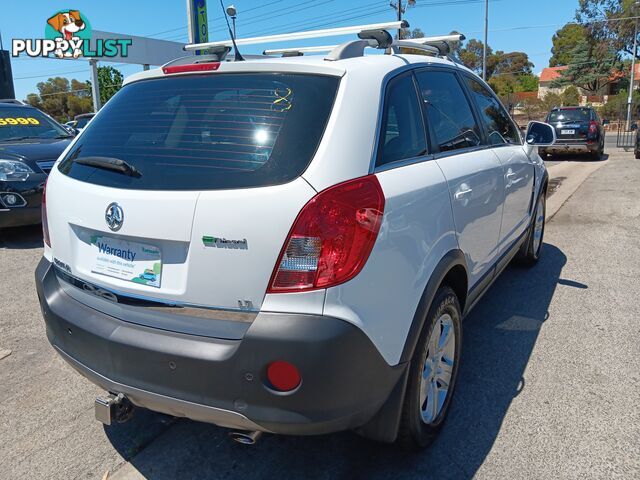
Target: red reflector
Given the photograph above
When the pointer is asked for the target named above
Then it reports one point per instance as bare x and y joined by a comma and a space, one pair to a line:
283, 376
192, 67
332, 237
45, 222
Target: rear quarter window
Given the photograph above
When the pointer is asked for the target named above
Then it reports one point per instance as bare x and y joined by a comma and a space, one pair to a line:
207, 132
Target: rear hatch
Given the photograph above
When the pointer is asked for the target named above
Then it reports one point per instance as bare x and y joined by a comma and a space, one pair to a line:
184, 188
571, 124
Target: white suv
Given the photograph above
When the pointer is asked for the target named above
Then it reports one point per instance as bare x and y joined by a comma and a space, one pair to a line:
287, 245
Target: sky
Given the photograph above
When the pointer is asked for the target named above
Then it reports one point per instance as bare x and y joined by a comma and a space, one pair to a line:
514, 25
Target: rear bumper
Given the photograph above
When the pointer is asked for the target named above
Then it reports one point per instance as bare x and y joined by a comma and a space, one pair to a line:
345, 380
582, 147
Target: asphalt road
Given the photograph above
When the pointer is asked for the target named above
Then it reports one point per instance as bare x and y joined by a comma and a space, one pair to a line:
549, 386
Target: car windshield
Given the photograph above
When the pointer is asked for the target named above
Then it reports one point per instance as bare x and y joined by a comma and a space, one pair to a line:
570, 115
22, 123
82, 122
205, 132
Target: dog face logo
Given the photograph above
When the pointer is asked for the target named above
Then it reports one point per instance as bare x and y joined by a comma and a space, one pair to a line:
68, 24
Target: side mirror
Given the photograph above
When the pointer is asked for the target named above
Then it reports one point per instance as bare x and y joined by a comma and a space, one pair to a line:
605, 121
634, 126
540, 134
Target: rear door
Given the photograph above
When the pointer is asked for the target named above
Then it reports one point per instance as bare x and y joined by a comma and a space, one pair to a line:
517, 169
218, 160
473, 172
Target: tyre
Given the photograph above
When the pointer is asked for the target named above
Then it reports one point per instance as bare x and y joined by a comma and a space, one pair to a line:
597, 154
432, 373
530, 251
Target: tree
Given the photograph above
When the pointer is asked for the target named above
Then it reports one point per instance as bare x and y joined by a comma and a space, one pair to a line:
109, 82
594, 67
512, 62
61, 99
471, 55
618, 29
551, 100
571, 96
528, 82
564, 41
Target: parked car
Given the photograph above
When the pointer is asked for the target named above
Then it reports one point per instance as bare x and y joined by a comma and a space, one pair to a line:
322, 228
578, 130
30, 143
81, 121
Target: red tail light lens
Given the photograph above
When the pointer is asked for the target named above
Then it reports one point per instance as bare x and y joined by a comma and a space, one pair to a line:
283, 376
192, 67
332, 237
45, 223
593, 127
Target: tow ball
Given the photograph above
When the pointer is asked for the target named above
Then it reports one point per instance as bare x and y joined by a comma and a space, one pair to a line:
113, 407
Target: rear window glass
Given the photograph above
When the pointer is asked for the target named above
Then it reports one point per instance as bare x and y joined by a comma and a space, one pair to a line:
206, 132
570, 115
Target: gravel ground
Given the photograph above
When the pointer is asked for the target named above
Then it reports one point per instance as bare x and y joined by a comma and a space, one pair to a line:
549, 386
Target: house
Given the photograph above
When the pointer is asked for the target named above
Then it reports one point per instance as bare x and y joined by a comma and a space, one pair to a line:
550, 74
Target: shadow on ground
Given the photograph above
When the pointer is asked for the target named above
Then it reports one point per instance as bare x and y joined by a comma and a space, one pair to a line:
499, 337
21, 237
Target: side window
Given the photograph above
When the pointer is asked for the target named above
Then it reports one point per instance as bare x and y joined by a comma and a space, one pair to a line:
403, 134
500, 127
448, 112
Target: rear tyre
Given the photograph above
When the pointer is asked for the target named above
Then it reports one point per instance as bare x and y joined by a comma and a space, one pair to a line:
432, 373
530, 251
597, 154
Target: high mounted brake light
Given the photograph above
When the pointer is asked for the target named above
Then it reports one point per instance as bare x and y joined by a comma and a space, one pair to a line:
192, 67
332, 237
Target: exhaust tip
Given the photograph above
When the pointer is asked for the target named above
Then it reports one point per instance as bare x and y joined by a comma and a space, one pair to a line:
245, 438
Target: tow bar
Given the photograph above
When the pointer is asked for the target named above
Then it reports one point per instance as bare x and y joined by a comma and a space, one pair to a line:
113, 407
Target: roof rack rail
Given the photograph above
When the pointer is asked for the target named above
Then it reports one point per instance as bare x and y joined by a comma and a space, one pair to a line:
283, 37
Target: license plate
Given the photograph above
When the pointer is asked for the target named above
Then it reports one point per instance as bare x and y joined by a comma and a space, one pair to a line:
131, 261
567, 132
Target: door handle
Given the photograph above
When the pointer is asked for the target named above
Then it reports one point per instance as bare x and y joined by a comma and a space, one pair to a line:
462, 192
510, 175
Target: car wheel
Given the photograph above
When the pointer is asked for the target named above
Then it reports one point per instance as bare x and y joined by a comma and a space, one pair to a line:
530, 250
432, 373
637, 155
597, 154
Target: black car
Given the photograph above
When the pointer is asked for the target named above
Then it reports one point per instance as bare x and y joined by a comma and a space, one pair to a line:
30, 143
578, 129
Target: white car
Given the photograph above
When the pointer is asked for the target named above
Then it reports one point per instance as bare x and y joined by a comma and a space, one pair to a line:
287, 245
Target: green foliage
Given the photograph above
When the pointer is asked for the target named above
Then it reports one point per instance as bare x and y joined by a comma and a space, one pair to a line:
571, 96
528, 83
109, 81
471, 55
61, 99
592, 67
616, 107
615, 32
564, 41
551, 100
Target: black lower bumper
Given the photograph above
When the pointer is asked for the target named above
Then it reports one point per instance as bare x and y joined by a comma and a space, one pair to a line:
345, 380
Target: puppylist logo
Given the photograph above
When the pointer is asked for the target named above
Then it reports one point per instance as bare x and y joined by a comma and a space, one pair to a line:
67, 34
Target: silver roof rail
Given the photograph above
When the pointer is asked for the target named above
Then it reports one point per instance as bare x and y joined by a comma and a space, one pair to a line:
283, 37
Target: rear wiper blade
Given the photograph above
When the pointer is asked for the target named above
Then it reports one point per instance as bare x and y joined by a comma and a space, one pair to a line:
109, 163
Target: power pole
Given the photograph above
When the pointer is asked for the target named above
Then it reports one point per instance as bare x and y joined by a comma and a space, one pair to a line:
400, 9
486, 35
634, 8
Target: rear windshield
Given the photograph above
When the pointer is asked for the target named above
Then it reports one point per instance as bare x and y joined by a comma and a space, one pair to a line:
570, 115
206, 132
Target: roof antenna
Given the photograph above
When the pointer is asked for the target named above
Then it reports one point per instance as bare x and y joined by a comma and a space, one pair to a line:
238, 56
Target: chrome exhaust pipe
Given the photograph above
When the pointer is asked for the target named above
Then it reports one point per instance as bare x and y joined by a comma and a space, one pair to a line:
245, 437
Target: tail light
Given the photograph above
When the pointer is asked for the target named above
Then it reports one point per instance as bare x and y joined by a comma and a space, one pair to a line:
593, 127
331, 238
191, 67
45, 223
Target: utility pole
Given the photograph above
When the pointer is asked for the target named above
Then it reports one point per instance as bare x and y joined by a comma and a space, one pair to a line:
634, 9
398, 7
401, 10
486, 35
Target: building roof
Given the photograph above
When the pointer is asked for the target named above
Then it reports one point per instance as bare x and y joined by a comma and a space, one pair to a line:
550, 74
